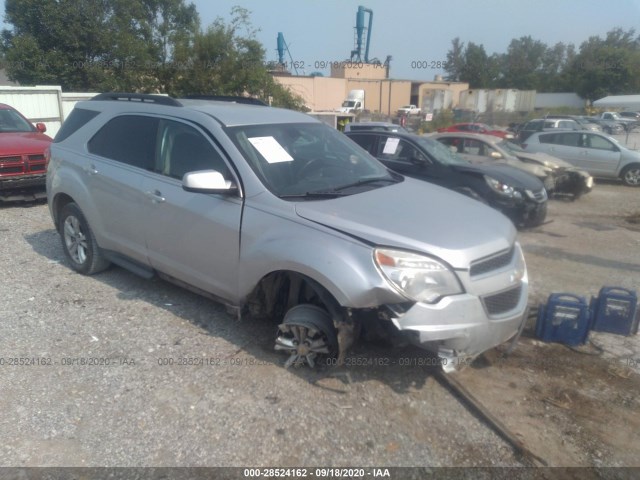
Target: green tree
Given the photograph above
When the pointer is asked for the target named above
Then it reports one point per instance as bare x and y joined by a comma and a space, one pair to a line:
225, 59
94, 44
607, 66
471, 64
478, 69
455, 60
522, 65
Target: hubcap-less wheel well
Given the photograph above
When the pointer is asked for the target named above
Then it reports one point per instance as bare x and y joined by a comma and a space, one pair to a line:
307, 334
311, 316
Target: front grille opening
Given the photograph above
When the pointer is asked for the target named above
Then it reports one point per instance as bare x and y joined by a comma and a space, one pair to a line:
503, 302
490, 264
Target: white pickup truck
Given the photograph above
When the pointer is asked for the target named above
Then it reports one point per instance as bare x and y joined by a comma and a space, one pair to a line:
409, 110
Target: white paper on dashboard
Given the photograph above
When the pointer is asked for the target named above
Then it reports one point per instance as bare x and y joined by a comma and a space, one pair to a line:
270, 149
391, 146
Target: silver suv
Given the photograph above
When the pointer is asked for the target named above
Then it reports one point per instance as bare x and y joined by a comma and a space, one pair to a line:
274, 213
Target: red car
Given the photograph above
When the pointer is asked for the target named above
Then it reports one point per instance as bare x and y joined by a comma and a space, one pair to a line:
476, 128
23, 165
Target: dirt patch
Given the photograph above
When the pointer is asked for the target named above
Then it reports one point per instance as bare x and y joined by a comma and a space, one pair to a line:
570, 407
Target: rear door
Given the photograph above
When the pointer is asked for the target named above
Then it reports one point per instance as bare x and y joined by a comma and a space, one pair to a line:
600, 156
193, 237
120, 154
565, 145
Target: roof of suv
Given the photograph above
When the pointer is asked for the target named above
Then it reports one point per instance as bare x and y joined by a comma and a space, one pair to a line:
229, 113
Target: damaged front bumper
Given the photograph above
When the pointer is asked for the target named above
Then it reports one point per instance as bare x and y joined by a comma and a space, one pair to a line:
460, 327
572, 182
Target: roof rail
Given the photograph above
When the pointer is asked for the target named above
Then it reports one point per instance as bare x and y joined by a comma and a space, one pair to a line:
138, 97
228, 98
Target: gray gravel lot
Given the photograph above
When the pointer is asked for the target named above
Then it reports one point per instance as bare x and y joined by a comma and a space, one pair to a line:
241, 409
139, 406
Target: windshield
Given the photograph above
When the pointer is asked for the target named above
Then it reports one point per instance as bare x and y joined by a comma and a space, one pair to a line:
510, 147
12, 121
348, 103
307, 158
441, 153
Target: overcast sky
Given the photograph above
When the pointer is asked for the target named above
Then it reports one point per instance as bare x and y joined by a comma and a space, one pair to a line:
420, 31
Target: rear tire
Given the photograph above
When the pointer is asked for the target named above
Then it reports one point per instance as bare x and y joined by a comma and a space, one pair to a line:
79, 243
630, 175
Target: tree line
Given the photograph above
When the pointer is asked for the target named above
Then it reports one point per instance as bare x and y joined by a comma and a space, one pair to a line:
600, 67
159, 46
144, 46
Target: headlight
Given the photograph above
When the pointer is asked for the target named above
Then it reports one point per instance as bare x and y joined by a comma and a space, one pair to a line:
501, 188
419, 278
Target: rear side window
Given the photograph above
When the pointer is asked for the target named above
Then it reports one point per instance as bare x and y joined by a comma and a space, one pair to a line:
365, 141
130, 139
78, 118
566, 139
549, 138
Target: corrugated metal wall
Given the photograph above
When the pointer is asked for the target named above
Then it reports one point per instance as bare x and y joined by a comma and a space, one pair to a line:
46, 104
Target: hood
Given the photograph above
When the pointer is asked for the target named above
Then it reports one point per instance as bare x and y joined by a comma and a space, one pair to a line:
507, 174
418, 216
544, 159
17, 143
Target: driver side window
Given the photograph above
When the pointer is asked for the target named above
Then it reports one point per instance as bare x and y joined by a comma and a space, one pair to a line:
184, 149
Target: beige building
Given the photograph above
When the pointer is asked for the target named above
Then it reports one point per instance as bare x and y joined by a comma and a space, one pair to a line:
359, 70
382, 95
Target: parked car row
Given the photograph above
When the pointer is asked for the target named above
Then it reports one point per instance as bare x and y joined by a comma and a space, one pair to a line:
476, 128
568, 148
559, 177
517, 194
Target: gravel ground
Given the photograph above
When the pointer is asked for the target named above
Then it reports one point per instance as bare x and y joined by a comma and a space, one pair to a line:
241, 409
99, 379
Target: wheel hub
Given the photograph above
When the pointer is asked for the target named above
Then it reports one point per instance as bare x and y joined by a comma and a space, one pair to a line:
75, 240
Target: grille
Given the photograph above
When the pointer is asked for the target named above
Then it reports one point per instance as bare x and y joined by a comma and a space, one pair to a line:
10, 159
492, 263
5, 170
37, 168
503, 302
36, 158
539, 196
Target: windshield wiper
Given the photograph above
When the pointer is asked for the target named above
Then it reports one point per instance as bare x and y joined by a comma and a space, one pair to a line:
337, 192
364, 181
319, 194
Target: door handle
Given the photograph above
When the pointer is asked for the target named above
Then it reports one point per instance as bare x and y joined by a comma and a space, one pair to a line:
91, 170
156, 196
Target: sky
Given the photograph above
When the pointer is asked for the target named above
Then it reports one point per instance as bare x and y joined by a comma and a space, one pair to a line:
418, 33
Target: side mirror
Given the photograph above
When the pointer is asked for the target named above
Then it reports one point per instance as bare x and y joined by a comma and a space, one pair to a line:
419, 160
41, 127
496, 155
207, 181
